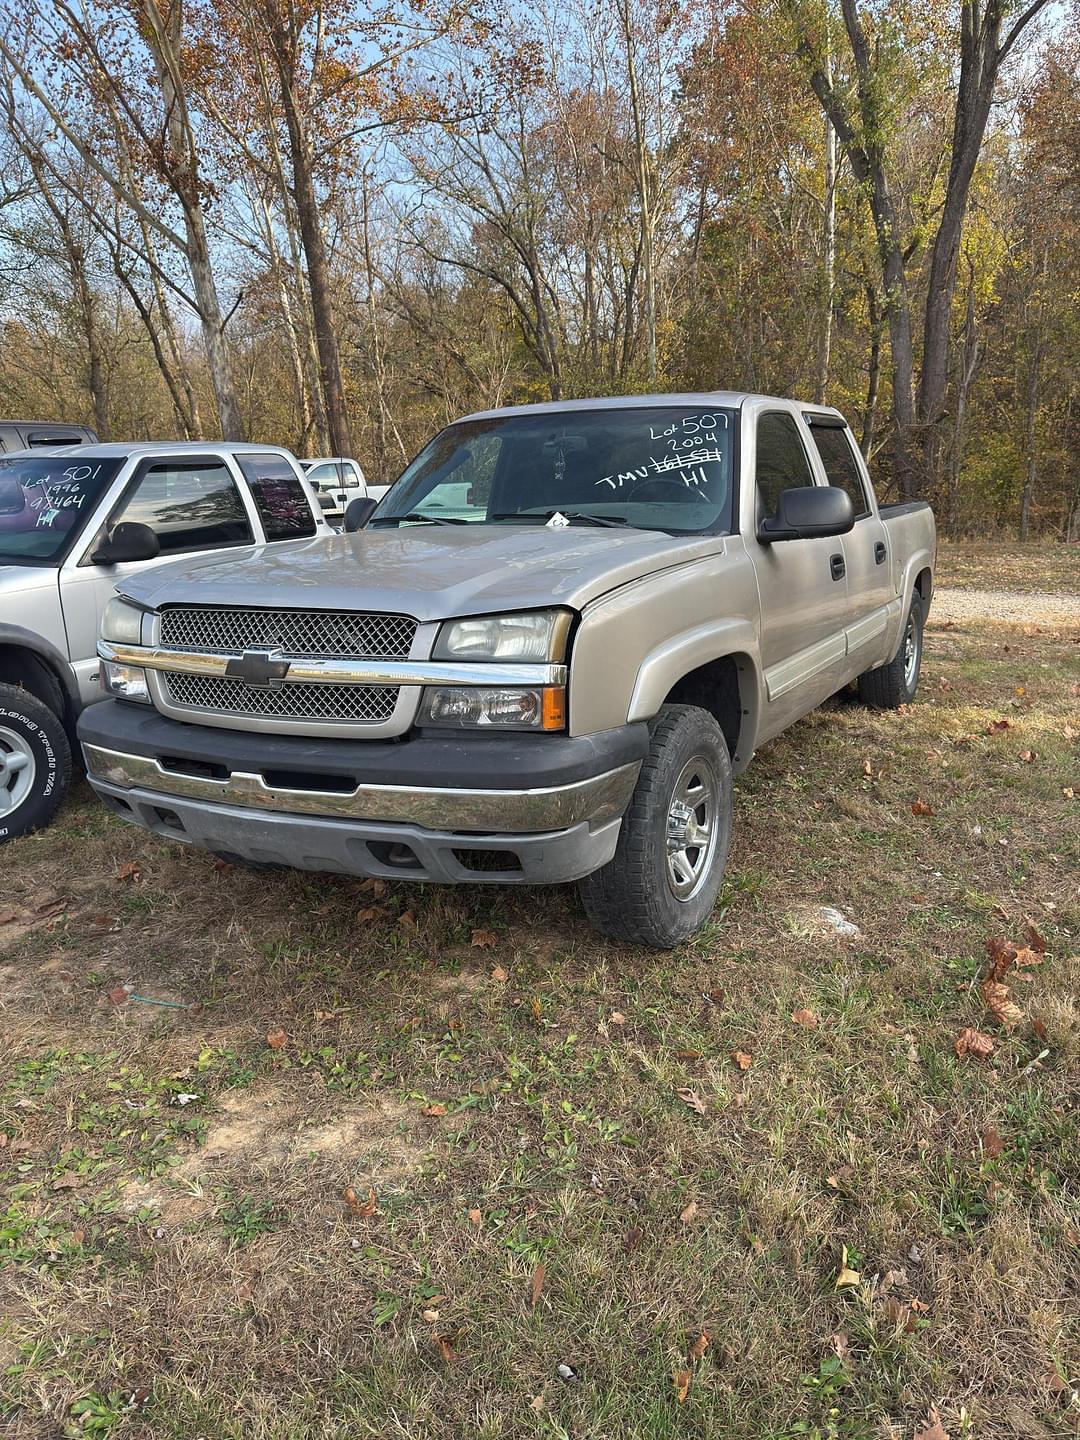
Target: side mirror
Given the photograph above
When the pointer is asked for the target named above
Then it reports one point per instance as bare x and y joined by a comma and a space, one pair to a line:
358, 513
807, 513
325, 501
128, 541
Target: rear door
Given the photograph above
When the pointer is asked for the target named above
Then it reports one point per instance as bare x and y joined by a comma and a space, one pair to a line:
801, 583
866, 546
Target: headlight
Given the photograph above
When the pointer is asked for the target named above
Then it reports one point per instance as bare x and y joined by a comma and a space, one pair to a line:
533, 635
540, 707
125, 682
121, 622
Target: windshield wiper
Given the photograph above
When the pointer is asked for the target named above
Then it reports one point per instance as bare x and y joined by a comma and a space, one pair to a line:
416, 515
582, 516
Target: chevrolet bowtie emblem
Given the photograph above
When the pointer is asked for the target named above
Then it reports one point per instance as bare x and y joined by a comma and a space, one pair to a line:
261, 669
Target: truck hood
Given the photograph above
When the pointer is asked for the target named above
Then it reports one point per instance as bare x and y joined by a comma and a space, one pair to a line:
430, 572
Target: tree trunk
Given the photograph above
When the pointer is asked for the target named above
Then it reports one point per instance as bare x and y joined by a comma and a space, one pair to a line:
828, 252
644, 191
968, 365
1036, 351
873, 374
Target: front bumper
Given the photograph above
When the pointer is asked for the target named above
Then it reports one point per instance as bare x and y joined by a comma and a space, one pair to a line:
549, 809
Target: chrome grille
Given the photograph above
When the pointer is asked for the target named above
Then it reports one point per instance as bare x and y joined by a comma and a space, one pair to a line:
299, 701
313, 634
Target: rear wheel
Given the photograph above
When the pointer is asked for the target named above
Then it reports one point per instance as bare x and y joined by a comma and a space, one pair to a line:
35, 762
896, 683
662, 883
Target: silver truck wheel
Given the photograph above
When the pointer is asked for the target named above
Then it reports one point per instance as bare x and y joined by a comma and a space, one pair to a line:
35, 762
662, 883
895, 683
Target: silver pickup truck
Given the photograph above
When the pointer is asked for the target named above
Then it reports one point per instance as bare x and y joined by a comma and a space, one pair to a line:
552, 678
74, 521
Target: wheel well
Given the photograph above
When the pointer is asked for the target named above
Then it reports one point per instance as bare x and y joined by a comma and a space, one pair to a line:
721, 688
19, 666
924, 584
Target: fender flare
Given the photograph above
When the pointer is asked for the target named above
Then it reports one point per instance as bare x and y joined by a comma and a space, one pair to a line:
55, 659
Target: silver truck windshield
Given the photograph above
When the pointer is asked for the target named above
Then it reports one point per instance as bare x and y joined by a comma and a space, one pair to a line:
665, 468
45, 502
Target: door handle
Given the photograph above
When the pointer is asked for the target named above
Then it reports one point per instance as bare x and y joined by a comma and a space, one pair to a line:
837, 566
879, 553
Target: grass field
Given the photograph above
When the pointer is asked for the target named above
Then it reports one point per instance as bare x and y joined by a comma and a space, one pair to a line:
299, 1157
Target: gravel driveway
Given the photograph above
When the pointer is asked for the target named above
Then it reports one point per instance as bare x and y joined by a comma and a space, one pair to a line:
1017, 607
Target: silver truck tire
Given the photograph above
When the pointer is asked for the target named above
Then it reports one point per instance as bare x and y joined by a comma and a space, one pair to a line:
35, 763
895, 684
657, 891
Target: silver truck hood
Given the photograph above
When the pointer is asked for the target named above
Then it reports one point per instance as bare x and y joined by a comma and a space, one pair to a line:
427, 571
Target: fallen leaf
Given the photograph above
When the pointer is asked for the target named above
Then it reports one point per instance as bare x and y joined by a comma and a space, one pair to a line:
919, 1306
446, 1350
475, 1217
50, 907
997, 726
900, 1314
1026, 957
688, 1212
841, 1345
361, 1209
130, 870
698, 1348
1034, 939
223, 867
616, 1018
69, 1181
500, 974
996, 999
118, 994
687, 1054
633, 1239
537, 1284
992, 1143
1028, 757
935, 1430
433, 1110
78, 1236
973, 1043
847, 1277
742, 1059
1002, 955
716, 995
842, 1179
6, 916
867, 768
484, 939
375, 887
804, 1017
692, 1099
536, 1403
681, 1380
920, 807
538, 1014
1039, 1026
369, 914
407, 919
277, 1039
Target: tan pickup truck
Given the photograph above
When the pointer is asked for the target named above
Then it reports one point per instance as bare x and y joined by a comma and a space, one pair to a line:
552, 678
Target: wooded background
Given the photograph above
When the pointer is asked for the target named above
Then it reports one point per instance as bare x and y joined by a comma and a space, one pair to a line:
337, 227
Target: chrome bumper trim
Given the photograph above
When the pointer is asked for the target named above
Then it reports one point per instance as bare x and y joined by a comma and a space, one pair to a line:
597, 799
341, 672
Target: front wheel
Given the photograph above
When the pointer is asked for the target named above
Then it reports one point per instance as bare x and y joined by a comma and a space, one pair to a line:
895, 683
663, 880
35, 763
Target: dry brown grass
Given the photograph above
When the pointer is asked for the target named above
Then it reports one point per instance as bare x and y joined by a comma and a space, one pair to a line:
206, 1256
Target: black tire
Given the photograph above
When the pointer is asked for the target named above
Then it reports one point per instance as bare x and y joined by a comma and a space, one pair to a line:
633, 897
896, 683
33, 742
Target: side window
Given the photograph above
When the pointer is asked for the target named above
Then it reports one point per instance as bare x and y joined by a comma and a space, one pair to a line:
188, 506
279, 497
842, 469
466, 489
781, 459
323, 477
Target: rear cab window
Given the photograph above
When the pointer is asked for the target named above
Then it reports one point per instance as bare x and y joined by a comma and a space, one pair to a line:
280, 498
838, 460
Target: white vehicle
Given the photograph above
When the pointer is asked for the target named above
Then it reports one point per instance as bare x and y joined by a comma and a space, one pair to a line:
338, 481
75, 519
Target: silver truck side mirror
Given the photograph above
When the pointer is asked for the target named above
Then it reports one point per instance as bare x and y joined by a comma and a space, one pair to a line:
808, 512
358, 513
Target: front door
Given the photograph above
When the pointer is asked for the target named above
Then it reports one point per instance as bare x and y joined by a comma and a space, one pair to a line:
801, 583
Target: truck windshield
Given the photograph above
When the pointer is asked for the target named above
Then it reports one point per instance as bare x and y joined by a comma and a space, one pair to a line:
665, 468
45, 502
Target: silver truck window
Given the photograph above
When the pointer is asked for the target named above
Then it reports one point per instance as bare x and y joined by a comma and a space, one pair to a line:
44, 504
781, 462
279, 497
667, 467
841, 467
189, 506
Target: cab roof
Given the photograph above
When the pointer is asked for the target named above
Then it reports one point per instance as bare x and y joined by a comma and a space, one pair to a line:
721, 399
